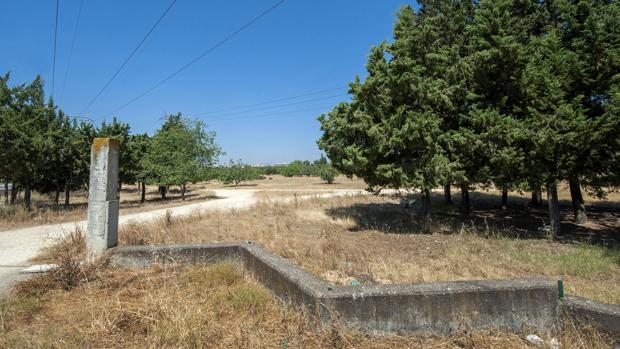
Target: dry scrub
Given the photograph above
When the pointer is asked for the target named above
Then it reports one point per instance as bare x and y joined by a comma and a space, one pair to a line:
196, 307
373, 240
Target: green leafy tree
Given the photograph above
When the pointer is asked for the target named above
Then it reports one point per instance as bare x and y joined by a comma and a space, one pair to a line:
138, 147
237, 172
178, 153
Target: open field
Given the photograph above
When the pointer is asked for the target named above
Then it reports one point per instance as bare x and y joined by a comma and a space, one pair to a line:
215, 306
280, 182
374, 240
45, 212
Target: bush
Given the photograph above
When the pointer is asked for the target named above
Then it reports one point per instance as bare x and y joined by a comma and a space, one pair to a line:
328, 174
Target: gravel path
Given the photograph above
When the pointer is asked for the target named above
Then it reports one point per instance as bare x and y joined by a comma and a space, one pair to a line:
18, 246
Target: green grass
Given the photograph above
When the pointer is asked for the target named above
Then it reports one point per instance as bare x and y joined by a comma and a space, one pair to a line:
581, 260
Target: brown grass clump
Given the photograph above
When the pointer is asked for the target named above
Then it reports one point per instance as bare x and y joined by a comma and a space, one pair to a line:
73, 267
202, 307
373, 240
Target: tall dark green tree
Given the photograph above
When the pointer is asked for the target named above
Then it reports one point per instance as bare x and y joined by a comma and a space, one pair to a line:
28, 121
590, 31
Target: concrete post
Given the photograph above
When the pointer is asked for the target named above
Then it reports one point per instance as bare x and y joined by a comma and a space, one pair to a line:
102, 229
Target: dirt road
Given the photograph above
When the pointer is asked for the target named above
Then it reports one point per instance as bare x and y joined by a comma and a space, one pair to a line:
18, 246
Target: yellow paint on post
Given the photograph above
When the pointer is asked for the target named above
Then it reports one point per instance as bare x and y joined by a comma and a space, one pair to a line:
99, 143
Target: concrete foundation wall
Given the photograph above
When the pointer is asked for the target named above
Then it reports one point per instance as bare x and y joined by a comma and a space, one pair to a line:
287, 282
143, 256
440, 308
603, 316
446, 307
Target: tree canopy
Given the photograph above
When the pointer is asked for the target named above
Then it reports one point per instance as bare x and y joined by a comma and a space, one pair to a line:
516, 94
178, 153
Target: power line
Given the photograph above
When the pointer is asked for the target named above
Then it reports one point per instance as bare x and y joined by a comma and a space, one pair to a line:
211, 49
55, 40
281, 105
290, 112
275, 100
75, 31
161, 17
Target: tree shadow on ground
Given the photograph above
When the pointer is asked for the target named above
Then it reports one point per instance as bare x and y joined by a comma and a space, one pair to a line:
240, 185
486, 218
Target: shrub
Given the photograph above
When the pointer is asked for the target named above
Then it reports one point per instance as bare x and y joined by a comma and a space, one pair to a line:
328, 174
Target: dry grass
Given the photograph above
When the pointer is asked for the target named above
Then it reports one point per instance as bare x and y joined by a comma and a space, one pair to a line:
280, 182
196, 307
373, 240
45, 212
289, 195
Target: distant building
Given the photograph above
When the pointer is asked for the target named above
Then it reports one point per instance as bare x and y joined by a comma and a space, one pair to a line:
10, 186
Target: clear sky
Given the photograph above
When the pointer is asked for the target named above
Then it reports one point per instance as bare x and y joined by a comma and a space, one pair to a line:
299, 48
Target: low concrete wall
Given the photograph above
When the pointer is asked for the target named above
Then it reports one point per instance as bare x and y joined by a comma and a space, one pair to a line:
287, 282
440, 308
446, 307
146, 255
605, 317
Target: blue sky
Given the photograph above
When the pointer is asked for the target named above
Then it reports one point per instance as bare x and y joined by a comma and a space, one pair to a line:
299, 48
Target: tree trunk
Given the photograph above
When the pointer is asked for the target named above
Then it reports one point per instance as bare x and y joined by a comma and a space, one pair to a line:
183, 192
534, 199
142, 192
446, 194
504, 199
579, 207
162, 191
57, 195
67, 195
27, 194
6, 193
465, 200
426, 203
554, 208
13, 194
